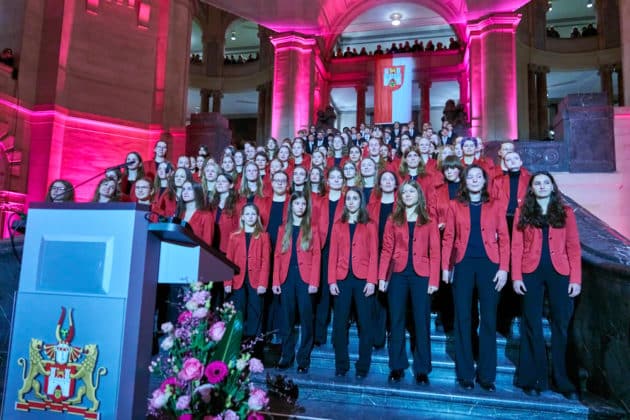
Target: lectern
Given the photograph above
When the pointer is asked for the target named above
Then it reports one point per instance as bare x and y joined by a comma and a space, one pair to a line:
84, 313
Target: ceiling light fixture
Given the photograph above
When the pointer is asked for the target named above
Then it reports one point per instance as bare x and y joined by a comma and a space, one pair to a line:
549, 6
395, 18
589, 3
233, 36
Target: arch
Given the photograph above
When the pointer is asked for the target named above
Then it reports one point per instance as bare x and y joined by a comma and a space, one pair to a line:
453, 12
247, 39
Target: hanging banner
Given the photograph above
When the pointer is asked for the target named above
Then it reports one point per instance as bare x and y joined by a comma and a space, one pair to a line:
392, 90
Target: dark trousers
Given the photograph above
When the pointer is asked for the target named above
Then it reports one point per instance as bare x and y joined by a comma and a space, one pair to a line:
272, 313
402, 289
379, 318
469, 274
351, 290
250, 304
509, 302
323, 302
533, 356
295, 301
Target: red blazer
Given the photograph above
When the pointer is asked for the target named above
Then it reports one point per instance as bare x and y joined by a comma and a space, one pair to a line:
441, 201
264, 206
255, 261
364, 252
309, 261
494, 232
165, 205
426, 251
501, 188
202, 224
564, 246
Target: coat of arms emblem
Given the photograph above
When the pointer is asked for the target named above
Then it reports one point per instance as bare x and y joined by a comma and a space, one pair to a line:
67, 372
394, 77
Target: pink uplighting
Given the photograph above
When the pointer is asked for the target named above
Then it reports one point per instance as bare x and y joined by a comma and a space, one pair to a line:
144, 15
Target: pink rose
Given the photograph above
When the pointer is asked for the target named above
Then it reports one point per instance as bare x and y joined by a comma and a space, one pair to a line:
191, 370
255, 416
217, 330
168, 382
183, 402
200, 313
185, 417
255, 365
182, 333
257, 399
184, 317
216, 371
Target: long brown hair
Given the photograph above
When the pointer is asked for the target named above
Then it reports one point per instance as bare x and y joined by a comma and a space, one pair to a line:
363, 217
399, 215
463, 195
531, 212
404, 168
305, 226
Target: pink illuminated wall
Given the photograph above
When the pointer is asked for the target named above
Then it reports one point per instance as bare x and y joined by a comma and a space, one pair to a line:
293, 84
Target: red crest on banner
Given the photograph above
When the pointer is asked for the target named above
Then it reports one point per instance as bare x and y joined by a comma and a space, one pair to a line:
394, 77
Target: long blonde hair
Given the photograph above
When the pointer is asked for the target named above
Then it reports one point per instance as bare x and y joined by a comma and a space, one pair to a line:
258, 227
305, 226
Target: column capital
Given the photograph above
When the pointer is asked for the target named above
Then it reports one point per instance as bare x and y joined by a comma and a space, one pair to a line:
205, 91
292, 41
360, 88
500, 22
216, 93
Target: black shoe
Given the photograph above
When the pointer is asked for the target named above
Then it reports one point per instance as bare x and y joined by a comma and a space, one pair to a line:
302, 369
396, 375
488, 386
571, 395
531, 391
360, 374
285, 364
467, 385
422, 379
340, 372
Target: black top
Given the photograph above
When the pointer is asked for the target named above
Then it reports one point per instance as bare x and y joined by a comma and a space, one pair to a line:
475, 247
332, 208
386, 210
453, 187
409, 267
513, 203
545, 254
275, 220
293, 263
353, 228
367, 191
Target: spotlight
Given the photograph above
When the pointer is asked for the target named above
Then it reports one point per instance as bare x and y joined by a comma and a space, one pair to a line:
589, 3
395, 18
233, 36
550, 6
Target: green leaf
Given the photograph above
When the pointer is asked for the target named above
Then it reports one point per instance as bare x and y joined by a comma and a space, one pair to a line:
230, 345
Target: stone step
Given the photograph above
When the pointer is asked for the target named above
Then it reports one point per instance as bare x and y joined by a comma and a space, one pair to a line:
442, 396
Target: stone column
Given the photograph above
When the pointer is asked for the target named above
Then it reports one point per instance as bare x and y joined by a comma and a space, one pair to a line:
217, 95
608, 23
293, 83
205, 100
263, 124
463, 92
533, 101
541, 90
361, 89
605, 75
425, 101
493, 46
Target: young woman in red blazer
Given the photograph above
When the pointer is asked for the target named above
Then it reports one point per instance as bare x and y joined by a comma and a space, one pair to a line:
546, 254
476, 245
352, 272
227, 208
296, 272
409, 268
165, 197
251, 185
191, 210
327, 210
412, 168
249, 248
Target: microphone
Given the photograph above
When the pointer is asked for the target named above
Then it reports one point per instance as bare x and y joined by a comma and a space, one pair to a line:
113, 168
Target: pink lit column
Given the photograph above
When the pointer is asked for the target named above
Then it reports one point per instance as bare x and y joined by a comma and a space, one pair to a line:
462, 80
293, 83
492, 54
361, 89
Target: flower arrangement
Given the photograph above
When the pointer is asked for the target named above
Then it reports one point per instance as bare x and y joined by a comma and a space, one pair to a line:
205, 374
